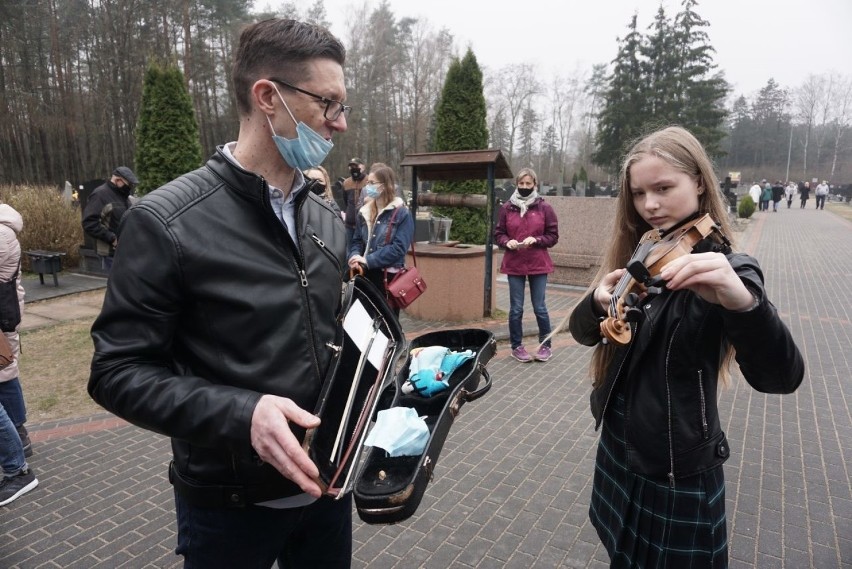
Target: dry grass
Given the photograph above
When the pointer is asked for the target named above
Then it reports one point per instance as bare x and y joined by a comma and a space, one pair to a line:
49, 223
843, 209
55, 369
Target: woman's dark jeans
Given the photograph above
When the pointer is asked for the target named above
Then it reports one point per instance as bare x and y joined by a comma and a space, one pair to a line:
517, 284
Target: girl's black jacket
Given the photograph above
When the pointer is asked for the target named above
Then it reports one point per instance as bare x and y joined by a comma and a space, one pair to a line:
669, 372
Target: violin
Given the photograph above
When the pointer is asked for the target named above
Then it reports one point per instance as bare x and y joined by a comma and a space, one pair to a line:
656, 248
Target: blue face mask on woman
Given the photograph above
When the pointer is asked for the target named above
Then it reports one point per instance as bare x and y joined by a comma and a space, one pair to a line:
371, 191
307, 150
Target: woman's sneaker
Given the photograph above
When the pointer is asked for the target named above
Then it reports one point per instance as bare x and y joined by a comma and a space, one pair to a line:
543, 354
520, 353
13, 488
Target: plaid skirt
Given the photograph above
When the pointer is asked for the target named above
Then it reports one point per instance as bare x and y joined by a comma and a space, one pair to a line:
644, 522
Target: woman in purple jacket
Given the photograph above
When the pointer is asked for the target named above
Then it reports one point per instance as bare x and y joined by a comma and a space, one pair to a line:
526, 229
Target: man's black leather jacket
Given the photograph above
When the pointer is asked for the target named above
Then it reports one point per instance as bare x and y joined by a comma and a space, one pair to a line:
669, 372
210, 305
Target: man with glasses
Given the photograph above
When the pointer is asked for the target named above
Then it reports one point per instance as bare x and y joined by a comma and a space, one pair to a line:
218, 324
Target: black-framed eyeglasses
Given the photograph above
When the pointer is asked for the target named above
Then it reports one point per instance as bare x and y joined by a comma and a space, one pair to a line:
333, 109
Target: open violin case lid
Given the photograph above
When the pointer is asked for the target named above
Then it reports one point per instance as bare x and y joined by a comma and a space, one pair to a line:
366, 377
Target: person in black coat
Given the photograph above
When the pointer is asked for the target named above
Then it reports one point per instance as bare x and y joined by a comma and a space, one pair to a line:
777, 194
104, 210
658, 497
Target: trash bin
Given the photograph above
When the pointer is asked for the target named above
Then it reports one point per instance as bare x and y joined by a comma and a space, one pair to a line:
439, 229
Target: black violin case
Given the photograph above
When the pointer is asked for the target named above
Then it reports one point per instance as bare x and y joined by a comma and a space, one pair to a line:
386, 489
389, 489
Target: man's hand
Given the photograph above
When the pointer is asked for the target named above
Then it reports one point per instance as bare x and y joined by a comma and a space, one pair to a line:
275, 443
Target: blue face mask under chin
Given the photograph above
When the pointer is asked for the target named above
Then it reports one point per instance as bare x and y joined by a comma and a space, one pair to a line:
307, 150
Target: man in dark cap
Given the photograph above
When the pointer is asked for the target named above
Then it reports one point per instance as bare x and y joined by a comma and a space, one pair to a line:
352, 195
104, 210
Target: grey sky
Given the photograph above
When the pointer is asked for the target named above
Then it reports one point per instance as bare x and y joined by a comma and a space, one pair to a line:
754, 39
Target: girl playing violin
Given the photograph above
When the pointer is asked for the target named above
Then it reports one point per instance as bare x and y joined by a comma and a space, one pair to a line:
658, 498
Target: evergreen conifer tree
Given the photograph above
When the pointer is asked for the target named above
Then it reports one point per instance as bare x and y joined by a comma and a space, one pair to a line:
167, 140
667, 77
658, 67
700, 91
461, 125
624, 111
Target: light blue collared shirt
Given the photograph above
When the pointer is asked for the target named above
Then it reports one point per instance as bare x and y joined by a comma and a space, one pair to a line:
284, 208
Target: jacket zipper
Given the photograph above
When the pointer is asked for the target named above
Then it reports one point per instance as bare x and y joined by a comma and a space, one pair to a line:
304, 280
325, 250
671, 474
617, 374
299, 262
703, 403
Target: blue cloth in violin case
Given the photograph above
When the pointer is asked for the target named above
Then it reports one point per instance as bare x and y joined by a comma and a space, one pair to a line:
361, 382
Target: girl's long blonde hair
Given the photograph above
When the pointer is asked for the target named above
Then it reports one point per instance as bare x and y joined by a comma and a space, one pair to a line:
680, 149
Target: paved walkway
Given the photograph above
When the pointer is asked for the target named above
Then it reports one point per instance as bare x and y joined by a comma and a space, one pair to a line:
512, 486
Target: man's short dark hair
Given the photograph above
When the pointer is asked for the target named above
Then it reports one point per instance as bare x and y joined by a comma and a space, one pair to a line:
281, 48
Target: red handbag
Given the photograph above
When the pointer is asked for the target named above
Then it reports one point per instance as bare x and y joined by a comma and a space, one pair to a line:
407, 284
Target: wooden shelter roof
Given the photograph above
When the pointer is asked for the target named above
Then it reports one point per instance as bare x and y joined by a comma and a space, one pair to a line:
458, 165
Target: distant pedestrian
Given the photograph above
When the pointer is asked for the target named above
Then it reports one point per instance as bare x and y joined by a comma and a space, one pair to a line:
777, 194
527, 227
658, 496
352, 199
790, 192
754, 193
821, 192
765, 197
804, 193
104, 210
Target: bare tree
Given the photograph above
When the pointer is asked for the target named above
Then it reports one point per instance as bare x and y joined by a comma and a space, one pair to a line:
517, 87
807, 97
566, 93
842, 116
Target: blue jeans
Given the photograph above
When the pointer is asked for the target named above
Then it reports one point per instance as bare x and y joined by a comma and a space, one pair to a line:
12, 398
11, 450
318, 535
517, 283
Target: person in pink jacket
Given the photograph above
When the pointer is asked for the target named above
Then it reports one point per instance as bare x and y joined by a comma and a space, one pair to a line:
526, 229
